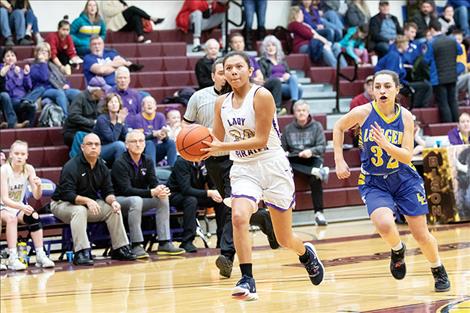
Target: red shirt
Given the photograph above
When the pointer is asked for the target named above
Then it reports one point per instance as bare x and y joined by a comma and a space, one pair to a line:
302, 34
358, 100
59, 46
189, 6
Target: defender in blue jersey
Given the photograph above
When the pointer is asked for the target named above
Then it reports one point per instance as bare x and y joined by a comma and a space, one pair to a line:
388, 181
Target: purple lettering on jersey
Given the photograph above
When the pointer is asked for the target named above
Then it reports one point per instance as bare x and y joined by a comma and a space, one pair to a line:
236, 121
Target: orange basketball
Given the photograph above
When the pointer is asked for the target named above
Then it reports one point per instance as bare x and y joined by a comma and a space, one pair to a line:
189, 142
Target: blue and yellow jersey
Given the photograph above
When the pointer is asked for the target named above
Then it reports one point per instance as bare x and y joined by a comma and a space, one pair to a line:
375, 160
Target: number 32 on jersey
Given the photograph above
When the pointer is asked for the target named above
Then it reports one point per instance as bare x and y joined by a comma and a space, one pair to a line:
378, 160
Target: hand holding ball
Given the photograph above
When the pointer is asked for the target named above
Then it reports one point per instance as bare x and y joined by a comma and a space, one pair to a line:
189, 142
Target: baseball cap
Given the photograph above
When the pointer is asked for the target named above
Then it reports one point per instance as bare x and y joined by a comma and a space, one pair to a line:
383, 2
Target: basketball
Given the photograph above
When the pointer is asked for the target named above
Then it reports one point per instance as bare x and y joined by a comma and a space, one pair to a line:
189, 142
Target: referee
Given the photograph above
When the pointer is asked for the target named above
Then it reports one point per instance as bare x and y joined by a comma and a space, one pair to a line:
200, 110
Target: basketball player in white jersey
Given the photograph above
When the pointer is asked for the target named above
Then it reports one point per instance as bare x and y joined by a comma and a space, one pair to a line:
15, 176
260, 170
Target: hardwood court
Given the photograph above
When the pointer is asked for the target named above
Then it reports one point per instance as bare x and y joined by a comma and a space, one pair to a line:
357, 279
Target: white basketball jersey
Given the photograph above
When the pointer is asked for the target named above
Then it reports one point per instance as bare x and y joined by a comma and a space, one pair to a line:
17, 185
240, 124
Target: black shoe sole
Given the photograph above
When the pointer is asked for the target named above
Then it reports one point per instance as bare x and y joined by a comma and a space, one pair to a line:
224, 265
442, 290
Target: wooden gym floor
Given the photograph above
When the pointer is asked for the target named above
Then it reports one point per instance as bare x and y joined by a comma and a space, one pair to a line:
357, 279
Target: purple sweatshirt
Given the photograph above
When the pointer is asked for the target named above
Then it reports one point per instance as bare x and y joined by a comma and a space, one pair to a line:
157, 121
455, 137
17, 85
40, 75
131, 99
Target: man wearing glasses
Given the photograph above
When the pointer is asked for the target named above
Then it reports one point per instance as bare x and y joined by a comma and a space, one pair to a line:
138, 190
85, 194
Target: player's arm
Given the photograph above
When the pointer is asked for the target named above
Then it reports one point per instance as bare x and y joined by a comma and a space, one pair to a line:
403, 154
34, 182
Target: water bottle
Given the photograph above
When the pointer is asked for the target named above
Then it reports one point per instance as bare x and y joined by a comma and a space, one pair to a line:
23, 252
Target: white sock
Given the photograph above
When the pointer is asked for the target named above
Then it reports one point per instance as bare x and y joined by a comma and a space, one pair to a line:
13, 253
436, 264
316, 172
398, 246
39, 250
196, 41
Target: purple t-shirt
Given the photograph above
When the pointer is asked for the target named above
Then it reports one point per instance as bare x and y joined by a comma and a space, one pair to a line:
147, 124
278, 70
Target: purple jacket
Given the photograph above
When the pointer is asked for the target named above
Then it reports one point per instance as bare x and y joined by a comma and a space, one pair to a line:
148, 125
40, 75
17, 85
454, 137
131, 99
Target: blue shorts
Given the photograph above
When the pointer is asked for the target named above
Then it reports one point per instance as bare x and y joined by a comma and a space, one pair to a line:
402, 192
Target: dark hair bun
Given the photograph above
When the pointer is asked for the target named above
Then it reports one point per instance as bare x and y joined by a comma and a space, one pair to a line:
66, 17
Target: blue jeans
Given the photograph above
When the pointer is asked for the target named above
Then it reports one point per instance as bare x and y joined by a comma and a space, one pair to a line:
461, 18
7, 108
328, 56
291, 89
252, 6
112, 151
31, 19
30, 112
5, 23
18, 23
332, 21
158, 151
62, 97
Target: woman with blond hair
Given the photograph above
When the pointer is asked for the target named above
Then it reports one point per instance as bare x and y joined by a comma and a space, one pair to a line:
15, 177
89, 23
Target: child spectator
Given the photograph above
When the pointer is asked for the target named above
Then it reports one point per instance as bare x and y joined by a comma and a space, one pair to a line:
15, 177
46, 75
111, 129
87, 24
354, 44
460, 135
173, 119
63, 51
273, 65
19, 87
153, 124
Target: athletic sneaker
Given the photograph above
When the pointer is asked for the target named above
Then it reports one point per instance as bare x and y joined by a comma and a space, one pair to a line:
140, 252
245, 289
320, 219
224, 265
441, 280
43, 261
15, 264
314, 266
3, 267
169, 249
397, 263
324, 174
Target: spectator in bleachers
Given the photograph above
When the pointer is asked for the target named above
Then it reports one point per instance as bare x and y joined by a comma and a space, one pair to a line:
415, 49
330, 13
461, 14
419, 141
187, 184
358, 13
355, 46
460, 135
13, 19
383, 29
424, 18
104, 62
138, 190
250, 8
131, 98
447, 20
31, 21
173, 119
19, 87
441, 56
273, 65
307, 40
304, 142
46, 75
366, 97
199, 15
312, 17
119, 16
237, 43
419, 91
89, 23
153, 124
111, 129
11, 120
463, 67
63, 53
204, 66
83, 114
16, 176
85, 194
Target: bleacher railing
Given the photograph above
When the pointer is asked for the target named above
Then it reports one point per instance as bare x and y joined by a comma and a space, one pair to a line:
234, 23
340, 75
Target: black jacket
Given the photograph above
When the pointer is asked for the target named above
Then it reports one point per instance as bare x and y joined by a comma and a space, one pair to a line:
204, 72
131, 180
418, 18
83, 113
265, 65
79, 179
188, 179
375, 25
